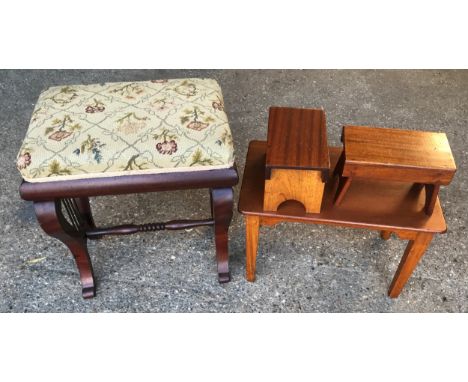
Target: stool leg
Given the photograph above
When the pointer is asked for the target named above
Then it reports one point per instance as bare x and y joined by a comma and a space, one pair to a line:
222, 203
252, 226
339, 165
50, 217
432, 190
343, 186
413, 253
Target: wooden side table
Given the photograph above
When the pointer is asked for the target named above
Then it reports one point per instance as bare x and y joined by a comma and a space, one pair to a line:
370, 204
397, 155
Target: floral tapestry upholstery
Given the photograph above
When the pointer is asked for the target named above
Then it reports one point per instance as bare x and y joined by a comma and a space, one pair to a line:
113, 129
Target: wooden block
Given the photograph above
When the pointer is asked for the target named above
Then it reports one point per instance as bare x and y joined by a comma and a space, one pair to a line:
304, 186
297, 159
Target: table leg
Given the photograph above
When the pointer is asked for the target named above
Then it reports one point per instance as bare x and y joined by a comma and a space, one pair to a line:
252, 226
432, 190
413, 253
385, 234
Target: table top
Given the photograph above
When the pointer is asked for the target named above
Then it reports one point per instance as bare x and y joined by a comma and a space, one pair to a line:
421, 150
371, 204
297, 139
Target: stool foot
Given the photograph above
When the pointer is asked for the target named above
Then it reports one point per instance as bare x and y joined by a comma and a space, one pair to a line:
224, 278
50, 217
221, 204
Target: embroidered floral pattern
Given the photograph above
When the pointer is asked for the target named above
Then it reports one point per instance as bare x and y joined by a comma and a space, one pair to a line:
65, 126
23, 161
97, 107
186, 88
66, 95
197, 159
166, 147
83, 131
91, 146
129, 90
130, 123
195, 114
162, 104
218, 104
56, 169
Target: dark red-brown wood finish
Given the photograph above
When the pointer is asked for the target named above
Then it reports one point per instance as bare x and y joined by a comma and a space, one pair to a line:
63, 211
292, 133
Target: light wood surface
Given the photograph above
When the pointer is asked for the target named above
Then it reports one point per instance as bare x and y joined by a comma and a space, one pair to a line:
304, 186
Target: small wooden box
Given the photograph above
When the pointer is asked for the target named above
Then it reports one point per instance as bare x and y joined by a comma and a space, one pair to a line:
297, 158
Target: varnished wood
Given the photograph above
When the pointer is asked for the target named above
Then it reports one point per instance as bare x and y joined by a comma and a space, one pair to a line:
304, 186
297, 159
129, 184
297, 139
74, 196
50, 217
222, 202
252, 226
343, 185
396, 155
385, 235
432, 191
370, 204
413, 253
128, 229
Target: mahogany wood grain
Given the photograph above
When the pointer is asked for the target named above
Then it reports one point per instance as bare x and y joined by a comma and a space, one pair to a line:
400, 155
297, 139
128, 229
52, 221
222, 203
129, 184
393, 207
73, 196
397, 155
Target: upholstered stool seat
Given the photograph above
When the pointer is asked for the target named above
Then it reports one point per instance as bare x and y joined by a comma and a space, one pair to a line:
114, 129
123, 138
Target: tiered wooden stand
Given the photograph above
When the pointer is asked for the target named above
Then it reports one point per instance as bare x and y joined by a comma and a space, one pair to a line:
286, 180
388, 207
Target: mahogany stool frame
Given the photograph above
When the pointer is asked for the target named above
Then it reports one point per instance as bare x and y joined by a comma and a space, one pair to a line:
63, 211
